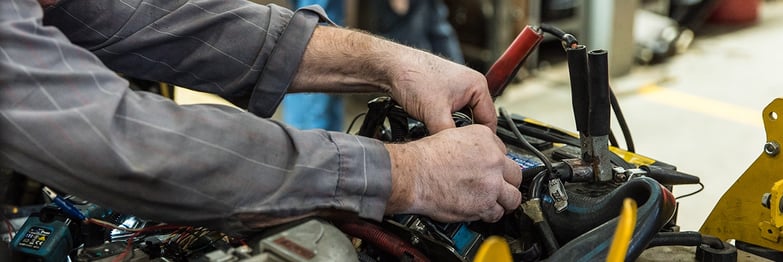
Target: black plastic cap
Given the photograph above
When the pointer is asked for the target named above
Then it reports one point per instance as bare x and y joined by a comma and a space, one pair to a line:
705, 253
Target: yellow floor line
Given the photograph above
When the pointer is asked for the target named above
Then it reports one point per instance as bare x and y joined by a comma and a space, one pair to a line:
702, 105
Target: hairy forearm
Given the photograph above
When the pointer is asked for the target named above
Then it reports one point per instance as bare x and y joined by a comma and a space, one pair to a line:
344, 60
403, 170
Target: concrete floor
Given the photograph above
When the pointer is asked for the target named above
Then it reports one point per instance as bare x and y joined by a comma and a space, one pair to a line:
700, 111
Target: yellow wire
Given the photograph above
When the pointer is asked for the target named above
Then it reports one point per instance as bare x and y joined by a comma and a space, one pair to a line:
624, 231
494, 249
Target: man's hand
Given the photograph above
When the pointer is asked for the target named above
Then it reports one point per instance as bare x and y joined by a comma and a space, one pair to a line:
428, 87
459, 174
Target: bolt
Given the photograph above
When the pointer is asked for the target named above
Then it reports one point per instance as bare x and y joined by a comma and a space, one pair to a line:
772, 148
415, 240
418, 226
765, 200
620, 176
780, 205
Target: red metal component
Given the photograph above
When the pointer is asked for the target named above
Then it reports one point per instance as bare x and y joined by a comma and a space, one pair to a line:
384, 240
507, 65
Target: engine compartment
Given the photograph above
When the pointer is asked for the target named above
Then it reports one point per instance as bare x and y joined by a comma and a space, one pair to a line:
574, 186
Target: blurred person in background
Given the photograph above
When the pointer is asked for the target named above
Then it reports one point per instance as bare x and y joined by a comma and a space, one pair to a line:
421, 24
316, 110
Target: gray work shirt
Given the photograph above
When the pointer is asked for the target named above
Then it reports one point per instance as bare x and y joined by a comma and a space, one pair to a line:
68, 120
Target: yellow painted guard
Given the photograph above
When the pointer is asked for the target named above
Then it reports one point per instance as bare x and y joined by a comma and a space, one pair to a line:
739, 214
494, 249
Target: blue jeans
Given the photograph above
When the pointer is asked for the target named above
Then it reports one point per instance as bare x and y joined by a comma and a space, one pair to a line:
316, 111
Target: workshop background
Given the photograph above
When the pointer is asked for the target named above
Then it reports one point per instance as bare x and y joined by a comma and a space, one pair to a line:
692, 77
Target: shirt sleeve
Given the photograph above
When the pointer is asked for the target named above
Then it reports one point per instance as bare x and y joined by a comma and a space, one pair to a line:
70, 122
234, 48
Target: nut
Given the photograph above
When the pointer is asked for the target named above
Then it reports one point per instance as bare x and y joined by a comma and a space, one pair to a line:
772, 148
765, 202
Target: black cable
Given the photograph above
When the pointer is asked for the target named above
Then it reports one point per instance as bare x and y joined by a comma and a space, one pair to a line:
612, 139
543, 133
618, 113
528, 174
527, 144
348, 131
549, 28
569, 40
551, 135
537, 184
692, 193
543, 228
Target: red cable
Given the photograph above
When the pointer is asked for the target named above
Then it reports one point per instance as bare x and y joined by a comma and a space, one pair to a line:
10, 230
385, 241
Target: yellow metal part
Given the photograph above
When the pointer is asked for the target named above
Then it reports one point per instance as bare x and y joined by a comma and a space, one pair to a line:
769, 231
632, 158
494, 249
624, 231
740, 214
775, 201
166, 90
629, 157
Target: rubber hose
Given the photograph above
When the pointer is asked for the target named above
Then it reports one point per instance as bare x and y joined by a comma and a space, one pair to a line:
528, 174
656, 210
385, 241
676, 239
656, 207
599, 111
585, 213
713, 241
577, 69
688, 238
548, 238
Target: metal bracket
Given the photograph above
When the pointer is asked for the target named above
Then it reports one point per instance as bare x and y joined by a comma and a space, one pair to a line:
738, 214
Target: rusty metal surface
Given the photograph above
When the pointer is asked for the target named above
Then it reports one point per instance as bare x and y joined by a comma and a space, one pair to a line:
686, 254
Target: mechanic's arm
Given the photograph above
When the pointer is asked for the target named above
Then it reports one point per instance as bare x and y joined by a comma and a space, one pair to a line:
238, 49
166, 46
71, 123
233, 48
455, 175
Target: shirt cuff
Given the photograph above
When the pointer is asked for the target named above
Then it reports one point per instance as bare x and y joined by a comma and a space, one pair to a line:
284, 61
364, 180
